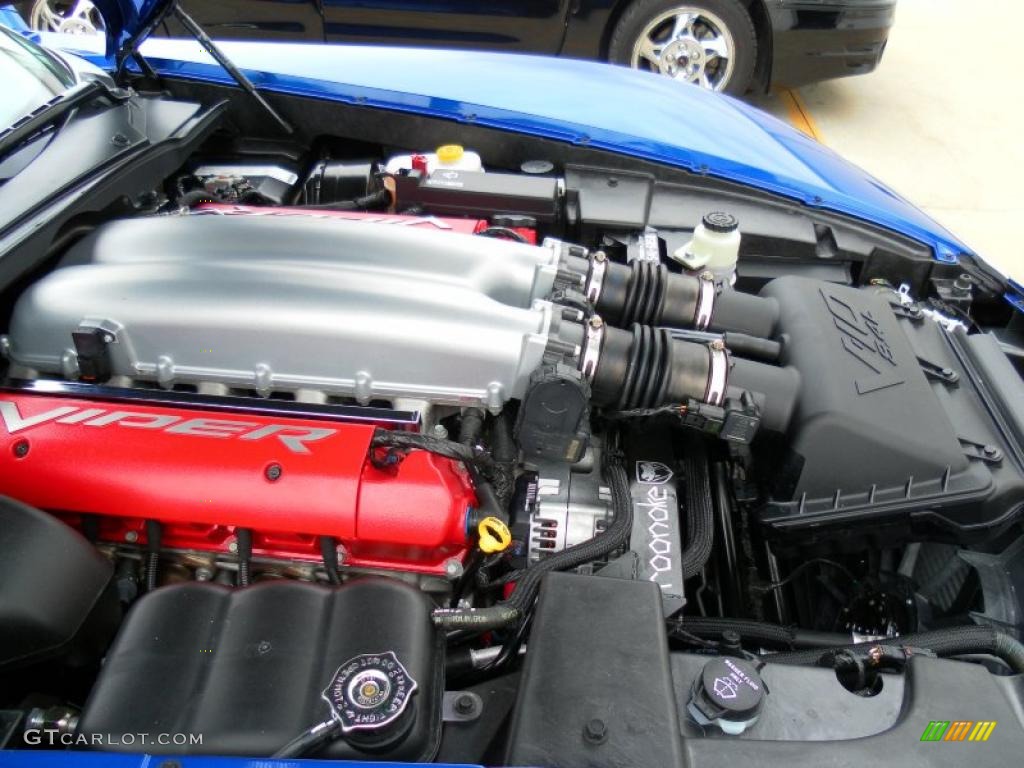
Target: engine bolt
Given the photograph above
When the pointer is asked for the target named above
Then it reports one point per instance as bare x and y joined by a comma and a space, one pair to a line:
233, 546
453, 569
273, 472
718, 345
596, 322
342, 554
440, 432
20, 449
465, 704
595, 731
707, 275
990, 450
600, 256
131, 537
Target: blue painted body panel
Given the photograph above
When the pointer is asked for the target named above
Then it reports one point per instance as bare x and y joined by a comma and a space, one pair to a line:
611, 108
57, 759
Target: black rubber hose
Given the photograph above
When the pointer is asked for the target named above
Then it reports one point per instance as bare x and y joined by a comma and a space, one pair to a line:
765, 634
306, 742
955, 641
329, 554
154, 534
470, 426
645, 367
739, 312
700, 515
243, 538
503, 233
649, 294
515, 608
726, 549
505, 453
378, 199
745, 345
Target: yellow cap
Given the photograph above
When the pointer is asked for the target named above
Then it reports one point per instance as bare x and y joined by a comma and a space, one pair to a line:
450, 153
494, 535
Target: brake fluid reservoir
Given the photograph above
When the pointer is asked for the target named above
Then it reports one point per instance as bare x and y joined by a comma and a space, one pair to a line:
447, 157
715, 246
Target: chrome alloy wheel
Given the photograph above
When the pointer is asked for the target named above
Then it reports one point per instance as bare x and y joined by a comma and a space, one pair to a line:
688, 44
70, 17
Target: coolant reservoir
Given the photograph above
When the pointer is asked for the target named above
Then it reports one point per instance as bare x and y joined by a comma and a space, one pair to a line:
715, 247
448, 157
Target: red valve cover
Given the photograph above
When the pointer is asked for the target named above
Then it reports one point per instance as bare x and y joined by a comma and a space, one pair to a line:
440, 223
203, 472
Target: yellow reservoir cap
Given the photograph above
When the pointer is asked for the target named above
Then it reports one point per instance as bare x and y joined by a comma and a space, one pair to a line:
450, 153
494, 535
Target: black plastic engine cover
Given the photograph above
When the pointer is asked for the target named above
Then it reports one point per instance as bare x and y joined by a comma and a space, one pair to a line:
599, 697
246, 667
891, 424
54, 588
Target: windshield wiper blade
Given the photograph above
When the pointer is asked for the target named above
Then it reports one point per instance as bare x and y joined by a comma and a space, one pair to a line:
50, 113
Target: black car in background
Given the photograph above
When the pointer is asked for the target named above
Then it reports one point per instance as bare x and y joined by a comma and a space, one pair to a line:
723, 45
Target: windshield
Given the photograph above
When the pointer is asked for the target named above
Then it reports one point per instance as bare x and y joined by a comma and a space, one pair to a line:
31, 77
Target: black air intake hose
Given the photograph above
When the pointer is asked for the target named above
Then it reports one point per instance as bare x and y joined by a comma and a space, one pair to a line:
955, 641
700, 523
646, 367
515, 608
647, 293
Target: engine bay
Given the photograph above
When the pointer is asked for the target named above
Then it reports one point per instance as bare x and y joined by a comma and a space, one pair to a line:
412, 456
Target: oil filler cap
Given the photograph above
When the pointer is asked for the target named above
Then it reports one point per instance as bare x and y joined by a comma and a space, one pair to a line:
369, 696
728, 693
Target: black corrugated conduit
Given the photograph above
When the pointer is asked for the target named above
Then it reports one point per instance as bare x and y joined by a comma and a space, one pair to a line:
700, 520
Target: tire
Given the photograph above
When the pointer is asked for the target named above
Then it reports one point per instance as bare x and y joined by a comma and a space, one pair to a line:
697, 46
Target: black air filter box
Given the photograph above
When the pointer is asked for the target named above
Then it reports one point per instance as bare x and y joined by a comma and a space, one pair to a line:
895, 426
246, 667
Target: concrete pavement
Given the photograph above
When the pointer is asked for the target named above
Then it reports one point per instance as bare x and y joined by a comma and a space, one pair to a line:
941, 121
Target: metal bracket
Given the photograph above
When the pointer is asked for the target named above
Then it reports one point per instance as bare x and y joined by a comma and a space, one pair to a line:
461, 706
938, 372
982, 451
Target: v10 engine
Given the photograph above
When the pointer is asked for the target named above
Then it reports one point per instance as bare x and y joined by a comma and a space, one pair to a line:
109, 460
301, 334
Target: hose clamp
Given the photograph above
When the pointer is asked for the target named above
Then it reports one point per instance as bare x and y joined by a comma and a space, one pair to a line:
718, 373
705, 301
592, 347
595, 278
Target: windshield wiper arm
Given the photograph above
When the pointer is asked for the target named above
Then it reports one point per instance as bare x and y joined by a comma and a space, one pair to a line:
50, 113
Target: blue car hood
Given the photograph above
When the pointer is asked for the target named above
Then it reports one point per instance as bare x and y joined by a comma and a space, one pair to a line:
128, 22
611, 108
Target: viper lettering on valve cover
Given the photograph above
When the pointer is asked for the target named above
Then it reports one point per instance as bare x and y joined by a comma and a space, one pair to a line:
293, 438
